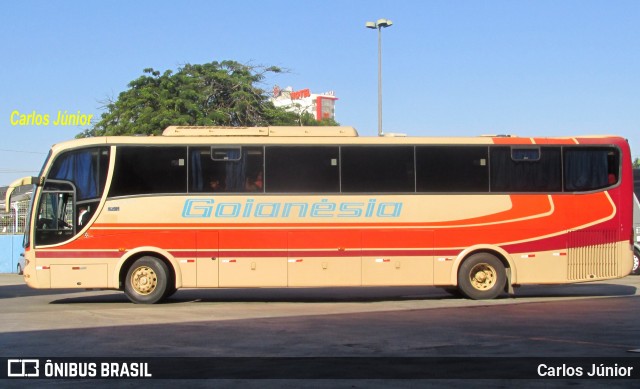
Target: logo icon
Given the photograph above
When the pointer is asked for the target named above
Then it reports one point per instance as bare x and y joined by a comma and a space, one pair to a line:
23, 368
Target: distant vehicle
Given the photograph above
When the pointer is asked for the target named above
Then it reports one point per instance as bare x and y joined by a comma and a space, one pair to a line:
636, 222
20, 266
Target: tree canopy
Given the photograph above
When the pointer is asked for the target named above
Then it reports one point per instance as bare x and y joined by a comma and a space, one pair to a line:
213, 94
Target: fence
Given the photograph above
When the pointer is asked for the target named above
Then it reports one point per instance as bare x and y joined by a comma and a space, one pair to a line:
12, 226
14, 221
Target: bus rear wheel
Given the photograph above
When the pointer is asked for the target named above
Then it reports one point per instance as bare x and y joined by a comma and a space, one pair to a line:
481, 277
147, 281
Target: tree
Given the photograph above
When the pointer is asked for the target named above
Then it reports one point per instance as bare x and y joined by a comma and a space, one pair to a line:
636, 163
310, 120
212, 94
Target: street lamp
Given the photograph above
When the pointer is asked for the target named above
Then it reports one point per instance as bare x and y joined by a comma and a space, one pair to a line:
379, 25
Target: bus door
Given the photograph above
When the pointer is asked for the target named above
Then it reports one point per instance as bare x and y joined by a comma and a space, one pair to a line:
56, 216
57, 222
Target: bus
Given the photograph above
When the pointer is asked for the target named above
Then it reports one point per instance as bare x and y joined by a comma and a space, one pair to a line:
214, 207
636, 222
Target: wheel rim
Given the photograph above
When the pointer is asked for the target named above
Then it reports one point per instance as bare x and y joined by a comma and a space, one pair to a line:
144, 280
483, 276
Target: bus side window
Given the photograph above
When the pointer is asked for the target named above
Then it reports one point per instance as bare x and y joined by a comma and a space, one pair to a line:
142, 170
225, 169
452, 169
590, 168
525, 169
387, 169
85, 168
302, 169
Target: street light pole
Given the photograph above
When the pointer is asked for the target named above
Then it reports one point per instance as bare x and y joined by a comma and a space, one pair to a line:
381, 23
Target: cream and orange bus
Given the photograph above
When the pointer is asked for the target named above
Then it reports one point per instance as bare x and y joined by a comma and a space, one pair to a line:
210, 207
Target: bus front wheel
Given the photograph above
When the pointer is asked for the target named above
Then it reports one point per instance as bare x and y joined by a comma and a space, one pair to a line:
636, 262
147, 281
481, 277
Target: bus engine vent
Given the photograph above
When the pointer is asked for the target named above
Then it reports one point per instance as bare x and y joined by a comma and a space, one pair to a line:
592, 255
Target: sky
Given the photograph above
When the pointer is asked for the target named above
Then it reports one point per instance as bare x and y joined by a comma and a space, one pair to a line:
450, 67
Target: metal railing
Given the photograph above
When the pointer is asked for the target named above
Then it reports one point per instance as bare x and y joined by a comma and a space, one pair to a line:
14, 222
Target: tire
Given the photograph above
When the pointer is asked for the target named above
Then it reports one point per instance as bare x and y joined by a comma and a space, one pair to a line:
481, 277
171, 287
171, 290
636, 262
147, 281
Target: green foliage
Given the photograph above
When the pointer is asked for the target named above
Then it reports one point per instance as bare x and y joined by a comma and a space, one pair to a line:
636, 163
212, 94
309, 120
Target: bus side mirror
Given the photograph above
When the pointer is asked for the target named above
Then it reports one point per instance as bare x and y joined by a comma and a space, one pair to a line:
19, 182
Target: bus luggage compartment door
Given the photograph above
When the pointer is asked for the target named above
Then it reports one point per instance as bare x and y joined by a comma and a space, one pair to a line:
325, 258
253, 258
207, 259
397, 257
79, 276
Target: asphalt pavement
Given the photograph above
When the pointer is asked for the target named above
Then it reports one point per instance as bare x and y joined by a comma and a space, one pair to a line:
323, 337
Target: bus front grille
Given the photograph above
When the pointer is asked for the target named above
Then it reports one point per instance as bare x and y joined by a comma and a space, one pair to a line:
592, 255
